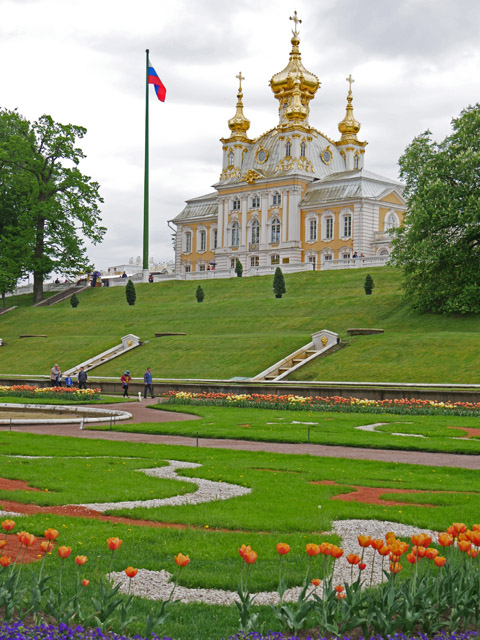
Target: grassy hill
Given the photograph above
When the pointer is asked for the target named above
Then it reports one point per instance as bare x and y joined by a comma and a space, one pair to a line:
241, 328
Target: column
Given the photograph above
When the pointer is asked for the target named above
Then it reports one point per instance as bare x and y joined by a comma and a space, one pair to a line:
244, 239
220, 224
263, 222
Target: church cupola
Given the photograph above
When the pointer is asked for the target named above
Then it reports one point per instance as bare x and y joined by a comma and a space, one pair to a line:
239, 124
295, 86
351, 148
237, 144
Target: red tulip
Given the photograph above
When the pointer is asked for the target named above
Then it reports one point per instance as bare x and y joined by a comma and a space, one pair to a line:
3, 543
250, 557
45, 546
85, 582
316, 582
440, 561
352, 558
312, 549
5, 561
182, 560
283, 548
464, 545
114, 543
243, 549
364, 541
431, 554
445, 539
51, 534
339, 588
64, 552
131, 572
336, 552
81, 560
412, 558
27, 539
8, 525
361, 566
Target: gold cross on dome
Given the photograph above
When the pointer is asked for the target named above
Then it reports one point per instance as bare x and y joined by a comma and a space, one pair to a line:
240, 78
350, 80
296, 20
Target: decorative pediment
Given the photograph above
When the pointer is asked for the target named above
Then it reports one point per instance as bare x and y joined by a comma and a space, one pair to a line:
251, 176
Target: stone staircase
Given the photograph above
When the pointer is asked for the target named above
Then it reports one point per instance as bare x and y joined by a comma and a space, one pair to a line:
128, 343
61, 295
322, 342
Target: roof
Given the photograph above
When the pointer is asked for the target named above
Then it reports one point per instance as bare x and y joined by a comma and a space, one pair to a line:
200, 207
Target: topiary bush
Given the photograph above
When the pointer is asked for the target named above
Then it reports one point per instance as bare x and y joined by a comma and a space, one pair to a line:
238, 268
368, 285
199, 294
74, 301
130, 293
279, 283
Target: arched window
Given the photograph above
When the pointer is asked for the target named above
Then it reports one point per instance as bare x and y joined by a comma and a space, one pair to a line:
255, 232
235, 234
355, 162
288, 149
236, 204
203, 240
188, 241
302, 149
230, 159
391, 221
275, 230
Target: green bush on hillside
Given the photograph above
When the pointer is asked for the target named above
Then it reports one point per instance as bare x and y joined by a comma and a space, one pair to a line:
368, 285
74, 301
238, 268
130, 293
199, 294
279, 283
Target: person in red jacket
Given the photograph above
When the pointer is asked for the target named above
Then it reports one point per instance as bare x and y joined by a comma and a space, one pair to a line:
126, 379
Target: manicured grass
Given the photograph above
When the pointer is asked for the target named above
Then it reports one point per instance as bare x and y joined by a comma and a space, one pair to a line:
283, 507
317, 427
241, 329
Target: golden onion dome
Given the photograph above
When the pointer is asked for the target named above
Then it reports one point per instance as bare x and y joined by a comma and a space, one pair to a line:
239, 124
349, 127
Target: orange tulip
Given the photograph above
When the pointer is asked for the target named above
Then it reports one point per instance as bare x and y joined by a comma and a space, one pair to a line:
473, 553
339, 588
476, 527
431, 553
390, 536
5, 561
337, 552
377, 544
312, 549
440, 561
85, 582
250, 557
182, 560
468, 535
316, 582
464, 545
412, 558
364, 541
419, 551
283, 548
326, 548
395, 567
476, 537
459, 527
64, 552
243, 549
114, 543
361, 566
384, 551
131, 572
27, 539
51, 534
352, 558
8, 525
81, 560
445, 539
416, 539
3, 543
45, 546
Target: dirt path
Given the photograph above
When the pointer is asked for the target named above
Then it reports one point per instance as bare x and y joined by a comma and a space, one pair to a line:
140, 413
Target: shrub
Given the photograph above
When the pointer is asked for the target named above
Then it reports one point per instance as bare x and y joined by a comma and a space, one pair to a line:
368, 285
130, 293
238, 268
279, 283
74, 301
199, 294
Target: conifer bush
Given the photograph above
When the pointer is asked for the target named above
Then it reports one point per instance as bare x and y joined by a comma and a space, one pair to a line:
368, 285
279, 283
238, 268
199, 294
74, 301
130, 293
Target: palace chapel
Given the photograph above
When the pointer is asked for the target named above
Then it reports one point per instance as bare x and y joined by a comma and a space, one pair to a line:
291, 197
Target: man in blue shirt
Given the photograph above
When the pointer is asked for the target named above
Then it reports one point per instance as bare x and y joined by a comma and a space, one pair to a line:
148, 380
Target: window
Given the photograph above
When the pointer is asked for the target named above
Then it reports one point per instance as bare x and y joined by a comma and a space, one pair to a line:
188, 268
256, 202
391, 221
302, 149
236, 205
203, 241
347, 226
313, 260
188, 242
254, 261
346, 255
355, 162
328, 228
230, 159
275, 259
215, 238
312, 229
276, 200
288, 149
235, 234
255, 231
328, 256
275, 230
233, 262
201, 266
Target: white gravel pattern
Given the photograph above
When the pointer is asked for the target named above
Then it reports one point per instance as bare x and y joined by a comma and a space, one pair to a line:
207, 490
157, 585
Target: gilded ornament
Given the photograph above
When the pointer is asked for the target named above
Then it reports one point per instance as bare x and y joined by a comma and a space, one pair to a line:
324, 340
251, 176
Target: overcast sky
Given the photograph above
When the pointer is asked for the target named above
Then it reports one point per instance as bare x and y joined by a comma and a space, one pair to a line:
416, 64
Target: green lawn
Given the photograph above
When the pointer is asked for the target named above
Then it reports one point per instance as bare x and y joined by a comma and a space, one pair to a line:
317, 427
241, 329
282, 507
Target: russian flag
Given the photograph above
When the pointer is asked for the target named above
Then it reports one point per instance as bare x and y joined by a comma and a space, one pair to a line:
157, 83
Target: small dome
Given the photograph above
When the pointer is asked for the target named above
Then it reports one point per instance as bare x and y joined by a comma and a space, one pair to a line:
239, 124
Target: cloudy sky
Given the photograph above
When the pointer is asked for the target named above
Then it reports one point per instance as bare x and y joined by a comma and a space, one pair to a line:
416, 64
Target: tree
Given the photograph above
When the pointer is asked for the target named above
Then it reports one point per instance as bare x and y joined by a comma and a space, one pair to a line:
279, 283
199, 294
368, 285
438, 247
238, 268
74, 301
130, 293
59, 205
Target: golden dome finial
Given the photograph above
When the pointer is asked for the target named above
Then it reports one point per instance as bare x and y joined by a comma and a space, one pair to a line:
349, 127
296, 20
239, 124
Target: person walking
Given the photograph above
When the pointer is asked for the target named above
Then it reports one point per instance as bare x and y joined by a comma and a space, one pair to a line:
55, 376
82, 378
126, 379
148, 381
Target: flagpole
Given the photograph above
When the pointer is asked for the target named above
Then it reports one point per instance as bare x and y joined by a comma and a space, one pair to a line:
145, 191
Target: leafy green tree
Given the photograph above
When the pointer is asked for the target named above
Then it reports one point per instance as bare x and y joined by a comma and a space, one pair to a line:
74, 301
238, 268
199, 294
59, 204
130, 293
279, 283
368, 285
438, 247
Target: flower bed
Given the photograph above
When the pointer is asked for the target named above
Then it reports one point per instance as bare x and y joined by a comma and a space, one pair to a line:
17, 631
30, 391
403, 406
